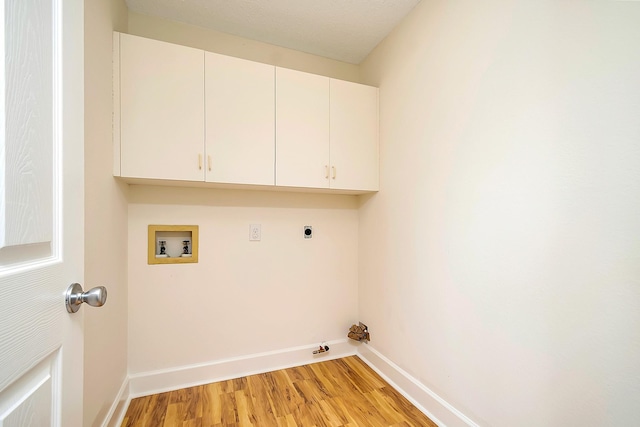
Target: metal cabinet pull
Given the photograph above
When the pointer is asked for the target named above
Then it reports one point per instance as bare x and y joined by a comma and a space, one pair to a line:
209, 163
200, 161
326, 171
333, 170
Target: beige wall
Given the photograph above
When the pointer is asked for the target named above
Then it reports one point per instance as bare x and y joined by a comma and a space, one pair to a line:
498, 263
227, 44
105, 366
241, 297
500, 260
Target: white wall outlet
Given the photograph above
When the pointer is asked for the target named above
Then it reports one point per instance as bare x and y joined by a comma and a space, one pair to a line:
255, 232
308, 232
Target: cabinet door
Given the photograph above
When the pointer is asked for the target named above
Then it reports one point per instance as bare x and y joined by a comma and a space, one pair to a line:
354, 136
302, 129
240, 128
162, 110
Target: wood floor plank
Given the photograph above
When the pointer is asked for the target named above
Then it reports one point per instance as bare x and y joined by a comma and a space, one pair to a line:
229, 408
288, 421
325, 379
191, 398
135, 412
412, 414
280, 394
367, 374
311, 390
173, 416
338, 393
239, 383
261, 400
245, 412
333, 418
212, 410
297, 373
362, 411
386, 408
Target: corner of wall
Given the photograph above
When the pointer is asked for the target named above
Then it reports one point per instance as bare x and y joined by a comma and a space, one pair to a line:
422, 397
105, 221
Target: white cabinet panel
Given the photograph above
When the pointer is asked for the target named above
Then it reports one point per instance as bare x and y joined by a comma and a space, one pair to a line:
354, 136
302, 129
326, 132
162, 110
182, 114
240, 127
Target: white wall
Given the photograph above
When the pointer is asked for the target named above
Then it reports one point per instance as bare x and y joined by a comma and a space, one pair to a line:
501, 260
105, 363
241, 297
227, 44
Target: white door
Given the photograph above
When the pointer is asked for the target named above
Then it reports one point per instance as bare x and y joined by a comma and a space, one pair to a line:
302, 129
161, 110
240, 129
354, 136
41, 211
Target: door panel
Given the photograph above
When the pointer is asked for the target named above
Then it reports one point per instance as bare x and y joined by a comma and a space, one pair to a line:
32, 401
302, 129
240, 129
161, 110
29, 88
354, 136
41, 211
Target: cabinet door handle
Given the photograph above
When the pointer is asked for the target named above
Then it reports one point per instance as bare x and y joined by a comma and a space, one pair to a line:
326, 171
333, 171
209, 163
200, 161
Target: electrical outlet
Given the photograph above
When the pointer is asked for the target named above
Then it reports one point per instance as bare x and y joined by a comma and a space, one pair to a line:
255, 232
308, 232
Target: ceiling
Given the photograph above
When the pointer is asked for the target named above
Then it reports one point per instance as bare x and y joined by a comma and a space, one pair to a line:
345, 30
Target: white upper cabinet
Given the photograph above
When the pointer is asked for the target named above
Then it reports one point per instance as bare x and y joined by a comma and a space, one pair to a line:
183, 114
354, 136
302, 129
240, 127
326, 132
161, 110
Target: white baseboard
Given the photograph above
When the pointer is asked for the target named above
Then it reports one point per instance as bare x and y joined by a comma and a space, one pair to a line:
432, 405
146, 383
119, 406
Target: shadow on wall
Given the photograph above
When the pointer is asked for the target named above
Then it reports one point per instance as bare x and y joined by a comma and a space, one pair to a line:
157, 195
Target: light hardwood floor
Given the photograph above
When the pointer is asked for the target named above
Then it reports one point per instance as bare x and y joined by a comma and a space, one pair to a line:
343, 392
